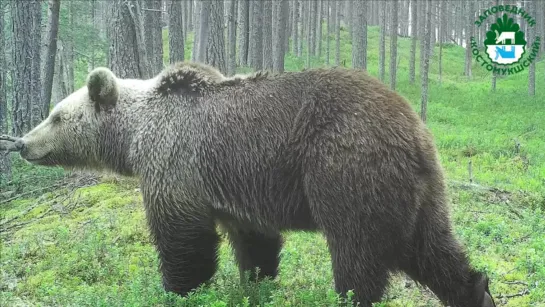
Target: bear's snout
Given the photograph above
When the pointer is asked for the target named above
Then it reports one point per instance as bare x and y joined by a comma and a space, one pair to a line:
19, 144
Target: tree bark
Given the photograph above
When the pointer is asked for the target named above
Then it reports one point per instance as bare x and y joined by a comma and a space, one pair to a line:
243, 31
310, 31
328, 33
414, 35
176, 34
338, 34
312, 27
256, 35
125, 51
382, 42
425, 63
468, 33
154, 35
215, 54
285, 10
232, 61
295, 28
442, 35
22, 17
36, 79
318, 36
532, 33
204, 17
267, 29
5, 161
196, 38
51, 52
359, 45
393, 44
279, 51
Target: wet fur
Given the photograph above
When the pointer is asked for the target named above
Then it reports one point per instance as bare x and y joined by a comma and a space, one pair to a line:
328, 150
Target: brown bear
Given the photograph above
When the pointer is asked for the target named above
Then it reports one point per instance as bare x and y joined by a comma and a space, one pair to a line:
330, 150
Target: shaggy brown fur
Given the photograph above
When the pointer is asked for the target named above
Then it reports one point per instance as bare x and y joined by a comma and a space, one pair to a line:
330, 150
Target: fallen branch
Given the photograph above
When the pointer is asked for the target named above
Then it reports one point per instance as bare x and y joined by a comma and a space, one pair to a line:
9, 143
521, 293
57, 185
516, 282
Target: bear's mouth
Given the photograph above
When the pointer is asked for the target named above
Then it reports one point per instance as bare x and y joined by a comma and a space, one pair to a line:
43, 160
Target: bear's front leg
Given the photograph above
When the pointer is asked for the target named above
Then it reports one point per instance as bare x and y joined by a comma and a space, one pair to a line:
186, 241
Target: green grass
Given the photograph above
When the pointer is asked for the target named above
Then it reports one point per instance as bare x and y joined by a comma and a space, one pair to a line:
90, 246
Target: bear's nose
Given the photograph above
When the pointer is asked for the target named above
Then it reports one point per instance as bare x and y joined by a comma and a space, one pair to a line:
19, 144
21, 147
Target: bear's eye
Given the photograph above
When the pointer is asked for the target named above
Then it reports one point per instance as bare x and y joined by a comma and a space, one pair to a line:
56, 119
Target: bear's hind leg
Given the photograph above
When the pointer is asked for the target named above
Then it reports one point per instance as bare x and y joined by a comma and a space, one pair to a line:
436, 259
256, 250
366, 223
357, 269
360, 245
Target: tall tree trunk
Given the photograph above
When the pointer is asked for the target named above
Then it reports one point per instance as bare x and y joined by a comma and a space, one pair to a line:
285, 9
215, 54
69, 50
333, 13
309, 19
176, 35
468, 34
532, 33
196, 27
279, 51
328, 33
304, 5
393, 44
442, 27
349, 18
494, 78
36, 79
338, 34
124, 53
382, 42
51, 52
295, 28
414, 35
319, 4
256, 35
154, 34
22, 17
243, 31
232, 34
359, 45
267, 29
312, 28
190, 16
204, 17
425, 62
5, 161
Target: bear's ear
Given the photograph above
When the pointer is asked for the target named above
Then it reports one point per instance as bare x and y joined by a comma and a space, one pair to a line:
102, 87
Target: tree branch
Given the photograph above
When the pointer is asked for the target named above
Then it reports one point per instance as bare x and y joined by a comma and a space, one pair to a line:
9, 143
521, 293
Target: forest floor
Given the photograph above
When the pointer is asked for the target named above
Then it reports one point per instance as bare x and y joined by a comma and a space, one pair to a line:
80, 240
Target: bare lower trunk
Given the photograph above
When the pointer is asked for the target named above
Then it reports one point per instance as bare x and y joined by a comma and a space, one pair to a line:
215, 52
232, 61
176, 34
51, 51
5, 161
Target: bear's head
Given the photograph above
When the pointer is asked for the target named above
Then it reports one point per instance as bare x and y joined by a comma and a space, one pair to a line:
69, 136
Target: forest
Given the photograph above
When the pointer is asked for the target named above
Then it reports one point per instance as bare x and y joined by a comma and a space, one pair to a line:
80, 238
